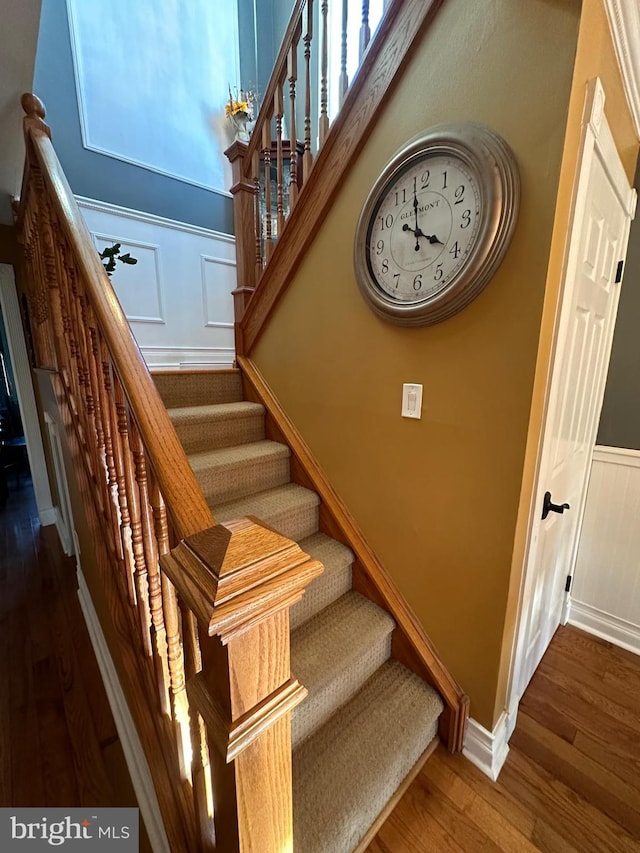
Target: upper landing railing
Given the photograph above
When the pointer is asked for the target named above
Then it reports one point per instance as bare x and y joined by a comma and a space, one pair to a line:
322, 50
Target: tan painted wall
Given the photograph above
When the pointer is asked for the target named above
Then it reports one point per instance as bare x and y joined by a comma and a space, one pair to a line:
438, 498
595, 57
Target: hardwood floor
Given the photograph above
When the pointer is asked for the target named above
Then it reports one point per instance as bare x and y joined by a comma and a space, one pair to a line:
571, 781
58, 742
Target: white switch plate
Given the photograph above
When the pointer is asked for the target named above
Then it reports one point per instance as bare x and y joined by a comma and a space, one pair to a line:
411, 401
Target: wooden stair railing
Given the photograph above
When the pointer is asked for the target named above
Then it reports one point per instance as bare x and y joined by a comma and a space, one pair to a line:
201, 610
272, 176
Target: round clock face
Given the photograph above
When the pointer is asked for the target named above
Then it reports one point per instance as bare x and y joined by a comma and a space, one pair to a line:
436, 224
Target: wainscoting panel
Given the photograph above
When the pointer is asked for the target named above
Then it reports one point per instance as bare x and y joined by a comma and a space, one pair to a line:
605, 598
178, 296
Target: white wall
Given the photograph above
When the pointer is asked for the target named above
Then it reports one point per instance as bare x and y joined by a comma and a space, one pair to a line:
605, 596
178, 296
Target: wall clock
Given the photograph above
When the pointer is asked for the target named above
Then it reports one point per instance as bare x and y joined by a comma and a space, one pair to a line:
436, 224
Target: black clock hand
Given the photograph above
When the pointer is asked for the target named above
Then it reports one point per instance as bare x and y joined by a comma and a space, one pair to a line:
417, 232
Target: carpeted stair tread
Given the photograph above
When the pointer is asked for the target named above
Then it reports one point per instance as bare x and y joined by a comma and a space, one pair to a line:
198, 387
333, 654
334, 582
345, 773
290, 509
218, 425
227, 473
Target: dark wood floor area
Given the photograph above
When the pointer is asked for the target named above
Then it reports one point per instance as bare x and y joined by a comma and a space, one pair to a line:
571, 782
58, 742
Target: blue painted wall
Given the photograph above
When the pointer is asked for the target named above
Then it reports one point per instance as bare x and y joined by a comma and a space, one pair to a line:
99, 176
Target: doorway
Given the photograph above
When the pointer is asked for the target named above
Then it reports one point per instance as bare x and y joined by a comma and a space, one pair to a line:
604, 205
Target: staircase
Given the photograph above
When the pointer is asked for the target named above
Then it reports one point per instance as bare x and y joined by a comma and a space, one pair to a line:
367, 720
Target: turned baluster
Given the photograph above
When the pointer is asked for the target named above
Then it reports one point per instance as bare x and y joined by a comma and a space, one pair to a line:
174, 655
324, 66
101, 417
307, 156
121, 490
343, 81
255, 169
133, 502
200, 764
365, 30
266, 156
278, 110
106, 404
292, 76
161, 531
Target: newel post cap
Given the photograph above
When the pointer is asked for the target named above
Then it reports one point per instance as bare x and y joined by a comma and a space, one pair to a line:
236, 574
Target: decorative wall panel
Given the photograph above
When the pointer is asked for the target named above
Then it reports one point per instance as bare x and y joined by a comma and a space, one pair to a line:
178, 296
605, 597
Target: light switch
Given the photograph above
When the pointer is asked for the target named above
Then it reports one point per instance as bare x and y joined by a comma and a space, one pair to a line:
411, 401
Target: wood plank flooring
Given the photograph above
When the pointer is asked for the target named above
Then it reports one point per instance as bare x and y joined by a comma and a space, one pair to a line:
571, 782
58, 742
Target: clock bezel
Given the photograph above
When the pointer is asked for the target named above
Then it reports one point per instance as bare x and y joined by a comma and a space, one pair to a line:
489, 158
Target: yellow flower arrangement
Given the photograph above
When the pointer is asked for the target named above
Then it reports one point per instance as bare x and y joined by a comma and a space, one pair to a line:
240, 104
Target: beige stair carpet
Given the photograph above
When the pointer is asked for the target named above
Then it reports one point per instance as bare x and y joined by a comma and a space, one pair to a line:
344, 774
367, 719
223, 425
333, 654
292, 510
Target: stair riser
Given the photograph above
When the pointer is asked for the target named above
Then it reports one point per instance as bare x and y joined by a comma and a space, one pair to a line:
230, 482
314, 712
296, 523
198, 389
322, 592
198, 436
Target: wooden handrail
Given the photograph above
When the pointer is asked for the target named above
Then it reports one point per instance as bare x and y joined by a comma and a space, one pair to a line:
201, 610
187, 506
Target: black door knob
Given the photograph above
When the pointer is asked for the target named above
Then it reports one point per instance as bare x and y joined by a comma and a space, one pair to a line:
548, 506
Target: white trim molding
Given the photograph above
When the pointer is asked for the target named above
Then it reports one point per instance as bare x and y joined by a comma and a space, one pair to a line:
624, 23
132, 748
26, 399
489, 750
187, 357
605, 625
151, 218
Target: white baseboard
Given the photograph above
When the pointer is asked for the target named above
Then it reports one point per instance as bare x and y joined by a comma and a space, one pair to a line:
133, 752
48, 516
489, 750
176, 358
605, 625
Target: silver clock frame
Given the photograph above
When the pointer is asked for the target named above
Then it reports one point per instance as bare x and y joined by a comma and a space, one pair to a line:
494, 166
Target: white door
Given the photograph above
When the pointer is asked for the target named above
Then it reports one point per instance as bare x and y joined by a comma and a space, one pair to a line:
604, 206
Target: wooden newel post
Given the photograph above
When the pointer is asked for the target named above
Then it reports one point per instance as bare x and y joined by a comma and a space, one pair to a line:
243, 191
240, 579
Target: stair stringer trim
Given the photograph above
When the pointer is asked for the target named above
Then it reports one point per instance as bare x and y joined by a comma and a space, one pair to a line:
410, 644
